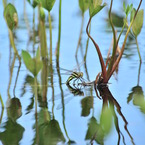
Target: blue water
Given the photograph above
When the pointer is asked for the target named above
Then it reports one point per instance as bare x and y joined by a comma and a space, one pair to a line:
75, 124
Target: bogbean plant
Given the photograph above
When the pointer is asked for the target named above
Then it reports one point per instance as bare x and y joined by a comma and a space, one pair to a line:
95, 6
135, 25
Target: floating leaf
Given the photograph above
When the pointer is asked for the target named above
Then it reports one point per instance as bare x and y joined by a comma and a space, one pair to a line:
84, 4
33, 65
47, 4
138, 22
95, 6
11, 16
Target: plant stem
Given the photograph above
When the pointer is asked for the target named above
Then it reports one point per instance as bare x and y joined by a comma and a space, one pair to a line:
123, 46
138, 50
59, 33
35, 86
1, 101
87, 44
80, 36
104, 72
121, 32
114, 41
50, 33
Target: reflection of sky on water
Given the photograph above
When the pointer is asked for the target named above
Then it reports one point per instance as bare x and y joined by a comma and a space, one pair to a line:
127, 77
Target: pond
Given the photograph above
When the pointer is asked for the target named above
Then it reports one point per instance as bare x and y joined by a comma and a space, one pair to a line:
40, 108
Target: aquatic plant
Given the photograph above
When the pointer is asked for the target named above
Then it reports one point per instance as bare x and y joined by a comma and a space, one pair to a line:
96, 6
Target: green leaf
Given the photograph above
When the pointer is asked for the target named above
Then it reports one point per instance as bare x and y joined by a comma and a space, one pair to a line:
132, 14
42, 14
33, 65
124, 7
138, 23
47, 4
84, 4
33, 3
127, 9
38, 54
95, 7
14, 109
11, 16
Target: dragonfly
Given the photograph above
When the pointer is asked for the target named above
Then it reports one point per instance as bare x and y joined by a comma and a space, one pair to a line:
74, 76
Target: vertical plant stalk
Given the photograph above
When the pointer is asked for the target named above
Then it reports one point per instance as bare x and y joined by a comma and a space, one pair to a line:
52, 86
138, 50
36, 118
26, 19
87, 44
62, 99
16, 78
114, 41
123, 46
1, 101
34, 40
12, 42
35, 85
44, 55
80, 36
138, 80
104, 72
11, 74
59, 33
50, 33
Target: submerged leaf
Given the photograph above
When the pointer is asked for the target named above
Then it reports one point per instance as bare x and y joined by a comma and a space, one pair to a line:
11, 16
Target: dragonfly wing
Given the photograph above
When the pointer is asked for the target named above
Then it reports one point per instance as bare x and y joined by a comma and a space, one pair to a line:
66, 101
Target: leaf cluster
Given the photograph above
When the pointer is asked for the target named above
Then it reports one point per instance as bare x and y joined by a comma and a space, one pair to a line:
34, 65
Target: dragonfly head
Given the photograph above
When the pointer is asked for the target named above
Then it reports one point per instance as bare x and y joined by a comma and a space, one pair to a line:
81, 74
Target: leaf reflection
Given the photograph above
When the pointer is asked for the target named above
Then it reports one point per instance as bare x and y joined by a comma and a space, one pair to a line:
87, 104
98, 131
137, 97
14, 109
13, 133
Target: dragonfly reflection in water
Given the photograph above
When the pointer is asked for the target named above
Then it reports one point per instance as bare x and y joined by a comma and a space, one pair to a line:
73, 89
